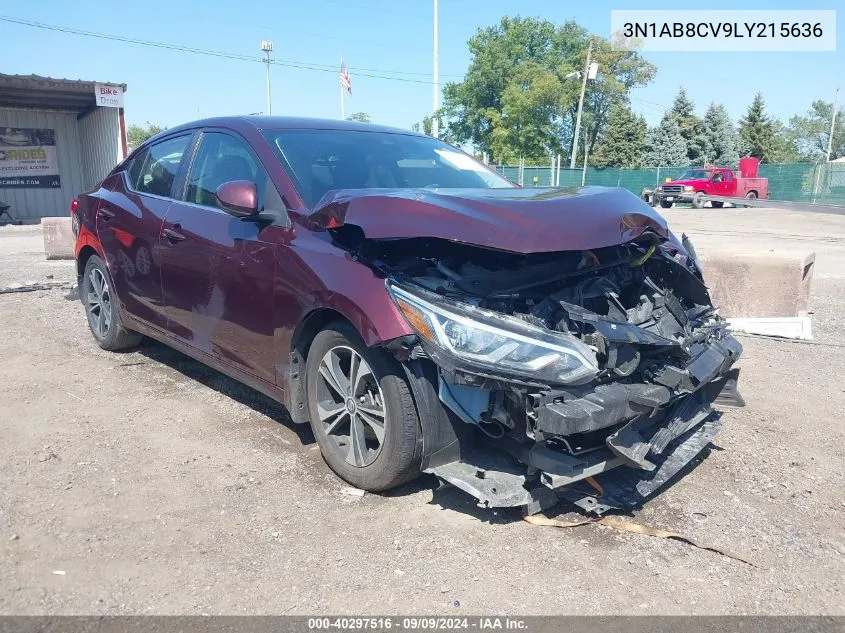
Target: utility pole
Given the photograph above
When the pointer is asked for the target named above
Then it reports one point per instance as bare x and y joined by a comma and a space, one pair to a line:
580, 107
586, 152
267, 47
435, 123
819, 168
832, 125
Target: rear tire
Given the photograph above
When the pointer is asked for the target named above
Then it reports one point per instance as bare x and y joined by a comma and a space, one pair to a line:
375, 406
716, 204
751, 195
101, 308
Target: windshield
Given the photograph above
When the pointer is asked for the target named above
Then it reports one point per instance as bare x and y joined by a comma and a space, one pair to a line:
322, 160
696, 174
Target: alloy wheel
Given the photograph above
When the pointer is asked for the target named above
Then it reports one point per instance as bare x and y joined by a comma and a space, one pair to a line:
99, 302
350, 405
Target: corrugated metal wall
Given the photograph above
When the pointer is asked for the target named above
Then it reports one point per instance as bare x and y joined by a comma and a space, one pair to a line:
99, 136
86, 151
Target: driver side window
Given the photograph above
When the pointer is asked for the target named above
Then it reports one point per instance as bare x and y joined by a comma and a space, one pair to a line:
222, 158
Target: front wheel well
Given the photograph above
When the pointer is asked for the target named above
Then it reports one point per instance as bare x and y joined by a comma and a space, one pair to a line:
301, 340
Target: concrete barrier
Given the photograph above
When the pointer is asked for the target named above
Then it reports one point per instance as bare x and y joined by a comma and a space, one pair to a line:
58, 238
758, 285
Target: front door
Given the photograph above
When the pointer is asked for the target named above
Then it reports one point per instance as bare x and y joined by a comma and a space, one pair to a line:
217, 271
130, 215
721, 184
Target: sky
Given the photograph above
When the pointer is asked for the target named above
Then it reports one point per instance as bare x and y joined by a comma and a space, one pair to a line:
374, 37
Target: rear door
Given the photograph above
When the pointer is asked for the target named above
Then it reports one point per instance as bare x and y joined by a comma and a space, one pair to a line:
217, 269
129, 221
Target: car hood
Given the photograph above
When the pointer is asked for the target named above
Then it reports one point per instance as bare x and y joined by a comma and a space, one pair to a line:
684, 182
518, 220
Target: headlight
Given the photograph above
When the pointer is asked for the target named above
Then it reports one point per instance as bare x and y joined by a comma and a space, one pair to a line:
494, 343
689, 188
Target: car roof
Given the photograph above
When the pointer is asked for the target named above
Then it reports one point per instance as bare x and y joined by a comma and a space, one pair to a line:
288, 123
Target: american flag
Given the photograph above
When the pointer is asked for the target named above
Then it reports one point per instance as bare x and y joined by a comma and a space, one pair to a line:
345, 81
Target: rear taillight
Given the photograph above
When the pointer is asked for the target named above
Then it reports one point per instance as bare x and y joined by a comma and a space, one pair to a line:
74, 216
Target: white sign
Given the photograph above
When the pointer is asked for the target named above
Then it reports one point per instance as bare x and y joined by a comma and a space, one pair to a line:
108, 96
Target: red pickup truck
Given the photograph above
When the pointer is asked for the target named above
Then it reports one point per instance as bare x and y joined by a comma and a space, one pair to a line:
699, 182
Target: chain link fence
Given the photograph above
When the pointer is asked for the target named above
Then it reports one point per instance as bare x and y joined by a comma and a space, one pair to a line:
800, 182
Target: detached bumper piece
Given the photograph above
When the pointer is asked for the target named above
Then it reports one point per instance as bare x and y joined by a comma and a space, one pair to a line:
654, 448
625, 489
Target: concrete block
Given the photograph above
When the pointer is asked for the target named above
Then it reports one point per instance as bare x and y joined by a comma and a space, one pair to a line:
799, 328
58, 238
758, 285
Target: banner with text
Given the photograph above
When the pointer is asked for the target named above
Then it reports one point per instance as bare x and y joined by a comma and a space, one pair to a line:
28, 158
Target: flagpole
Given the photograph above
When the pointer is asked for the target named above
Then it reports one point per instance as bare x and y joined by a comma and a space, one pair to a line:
342, 113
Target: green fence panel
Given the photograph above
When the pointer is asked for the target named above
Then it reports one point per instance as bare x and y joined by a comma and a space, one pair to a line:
799, 182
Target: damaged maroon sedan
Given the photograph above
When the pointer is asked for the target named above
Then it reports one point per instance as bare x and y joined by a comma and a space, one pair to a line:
419, 310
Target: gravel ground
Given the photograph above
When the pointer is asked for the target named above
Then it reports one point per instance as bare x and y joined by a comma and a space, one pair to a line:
143, 482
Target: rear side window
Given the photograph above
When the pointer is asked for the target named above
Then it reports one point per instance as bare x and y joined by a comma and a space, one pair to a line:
154, 170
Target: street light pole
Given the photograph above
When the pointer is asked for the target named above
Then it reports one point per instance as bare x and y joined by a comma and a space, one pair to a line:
580, 107
267, 47
435, 124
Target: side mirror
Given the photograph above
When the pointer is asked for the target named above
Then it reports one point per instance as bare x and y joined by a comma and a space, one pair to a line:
238, 197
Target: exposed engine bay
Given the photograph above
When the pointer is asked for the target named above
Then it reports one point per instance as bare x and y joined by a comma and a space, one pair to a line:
564, 364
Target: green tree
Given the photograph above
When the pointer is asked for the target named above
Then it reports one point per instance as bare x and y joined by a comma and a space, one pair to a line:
811, 132
690, 125
426, 126
719, 139
763, 137
361, 117
623, 142
665, 145
515, 100
137, 134
619, 71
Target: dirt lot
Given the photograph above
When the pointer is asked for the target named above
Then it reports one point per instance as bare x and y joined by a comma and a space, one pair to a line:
142, 483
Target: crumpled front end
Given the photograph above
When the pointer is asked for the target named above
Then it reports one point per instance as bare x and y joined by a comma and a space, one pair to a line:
592, 376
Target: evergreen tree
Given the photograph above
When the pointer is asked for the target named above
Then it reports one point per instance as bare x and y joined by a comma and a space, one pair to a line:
690, 125
719, 138
623, 142
665, 146
811, 132
763, 137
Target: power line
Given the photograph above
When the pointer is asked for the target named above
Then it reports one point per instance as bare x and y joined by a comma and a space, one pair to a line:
221, 54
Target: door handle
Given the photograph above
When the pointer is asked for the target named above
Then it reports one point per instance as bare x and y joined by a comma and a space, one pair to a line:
173, 236
105, 214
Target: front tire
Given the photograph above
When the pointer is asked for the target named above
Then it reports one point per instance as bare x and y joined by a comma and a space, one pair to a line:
666, 205
101, 308
361, 411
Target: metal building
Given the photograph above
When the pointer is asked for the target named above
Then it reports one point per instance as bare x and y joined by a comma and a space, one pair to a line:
58, 137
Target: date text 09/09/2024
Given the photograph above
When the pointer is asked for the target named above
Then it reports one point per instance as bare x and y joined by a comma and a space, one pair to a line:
417, 623
723, 29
